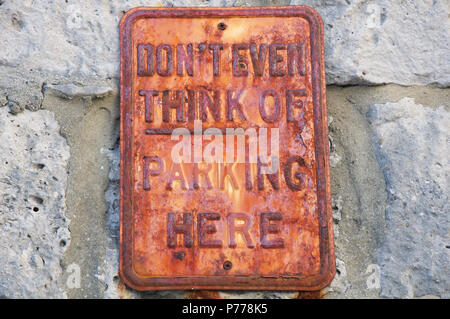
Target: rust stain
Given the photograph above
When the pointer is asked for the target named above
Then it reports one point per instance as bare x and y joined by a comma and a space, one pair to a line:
310, 294
214, 294
224, 225
203, 294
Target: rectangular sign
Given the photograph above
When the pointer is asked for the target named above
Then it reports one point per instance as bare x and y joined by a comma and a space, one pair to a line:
224, 150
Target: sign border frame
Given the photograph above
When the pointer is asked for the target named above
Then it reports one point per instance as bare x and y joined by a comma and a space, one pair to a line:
326, 245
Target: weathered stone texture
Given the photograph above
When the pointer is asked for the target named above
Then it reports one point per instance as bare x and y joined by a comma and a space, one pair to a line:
412, 144
404, 42
33, 224
110, 269
389, 160
90, 126
67, 38
385, 41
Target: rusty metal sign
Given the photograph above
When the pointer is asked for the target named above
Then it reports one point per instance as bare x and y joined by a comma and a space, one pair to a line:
224, 150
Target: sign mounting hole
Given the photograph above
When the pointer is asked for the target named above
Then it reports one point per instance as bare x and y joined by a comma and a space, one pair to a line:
227, 265
221, 26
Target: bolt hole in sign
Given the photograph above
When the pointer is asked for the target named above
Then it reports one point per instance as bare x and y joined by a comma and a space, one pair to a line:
224, 150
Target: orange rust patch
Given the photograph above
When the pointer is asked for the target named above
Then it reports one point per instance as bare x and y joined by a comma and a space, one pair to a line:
203, 294
224, 225
309, 294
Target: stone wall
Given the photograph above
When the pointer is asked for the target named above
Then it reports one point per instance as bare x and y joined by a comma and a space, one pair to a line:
388, 73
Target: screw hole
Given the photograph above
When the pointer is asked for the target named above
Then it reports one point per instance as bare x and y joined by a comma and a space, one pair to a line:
227, 265
221, 26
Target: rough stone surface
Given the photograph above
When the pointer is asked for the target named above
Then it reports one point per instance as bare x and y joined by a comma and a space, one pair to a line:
68, 38
360, 191
109, 270
384, 41
63, 56
19, 90
33, 224
90, 125
412, 145
404, 42
70, 90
